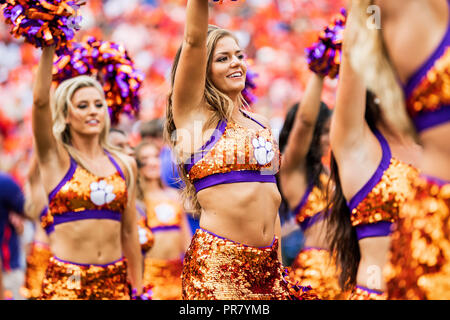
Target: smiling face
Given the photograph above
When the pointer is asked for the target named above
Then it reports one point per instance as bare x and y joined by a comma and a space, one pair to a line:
86, 115
228, 68
149, 162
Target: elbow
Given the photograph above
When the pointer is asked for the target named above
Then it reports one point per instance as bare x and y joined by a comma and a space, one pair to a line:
41, 103
193, 40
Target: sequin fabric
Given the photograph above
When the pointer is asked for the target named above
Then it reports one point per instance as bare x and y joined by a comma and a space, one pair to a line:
419, 263
77, 195
220, 269
314, 204
68, 281
164, 276
163, 214
383, 202
364, 294
433, 91
235, 151
37, 261
315, 267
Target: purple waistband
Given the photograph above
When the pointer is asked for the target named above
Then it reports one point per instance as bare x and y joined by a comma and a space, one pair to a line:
234, 177
238, 243
370, 290
87, 214
309, 222
165, 228
379, 229
89, 264
430, 119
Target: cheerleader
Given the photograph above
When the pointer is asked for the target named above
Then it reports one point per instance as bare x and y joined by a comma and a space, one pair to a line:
91, 220
370, 166
418, 87
304, 139
228, 161
39, 251
167, 221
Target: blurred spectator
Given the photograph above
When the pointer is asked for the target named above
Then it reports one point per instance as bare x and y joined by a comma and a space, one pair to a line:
11, 205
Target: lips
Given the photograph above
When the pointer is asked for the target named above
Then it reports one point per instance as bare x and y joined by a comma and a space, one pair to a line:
237, 74
93, 122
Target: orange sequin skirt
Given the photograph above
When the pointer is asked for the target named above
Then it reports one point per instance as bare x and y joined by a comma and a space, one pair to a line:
164, 277
70, 281
362, 293
419, 263
314, 267
37, 261
220, 269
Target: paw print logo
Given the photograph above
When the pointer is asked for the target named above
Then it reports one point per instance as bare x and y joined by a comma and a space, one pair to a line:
165, 212
142, 235
101, 193
263, 150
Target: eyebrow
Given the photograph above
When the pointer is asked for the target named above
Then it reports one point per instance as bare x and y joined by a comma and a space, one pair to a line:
227, 52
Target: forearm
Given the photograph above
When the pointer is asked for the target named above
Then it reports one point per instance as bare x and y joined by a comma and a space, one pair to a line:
132, 252
310, 103
41, 92
196, 22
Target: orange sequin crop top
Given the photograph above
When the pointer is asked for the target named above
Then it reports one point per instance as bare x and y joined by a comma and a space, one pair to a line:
83, 195
234, 154
311, 206
376, 205
163, 215
427, 92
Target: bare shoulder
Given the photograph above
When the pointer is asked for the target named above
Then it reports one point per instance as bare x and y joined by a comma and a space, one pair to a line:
259, 117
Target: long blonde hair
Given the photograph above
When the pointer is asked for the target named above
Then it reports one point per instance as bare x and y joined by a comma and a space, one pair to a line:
216, 101
60, 106
368, 56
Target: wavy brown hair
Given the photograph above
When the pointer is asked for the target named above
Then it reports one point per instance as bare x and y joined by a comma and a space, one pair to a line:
215, 100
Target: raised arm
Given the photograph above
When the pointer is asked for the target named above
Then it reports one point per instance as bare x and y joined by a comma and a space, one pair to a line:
348, 124
41, 113
190, 77
303, 129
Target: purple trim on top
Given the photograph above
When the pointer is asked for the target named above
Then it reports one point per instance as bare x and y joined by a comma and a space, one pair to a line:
429, 119
370, 230
377, 175
199, 154
115, 164
67, 177
438, 181
43, 212
89, 264
250, 117
233, 177
415, 79
370, 290
304, 198
49, 229
86, 214
165, 228
238, 243
309, 222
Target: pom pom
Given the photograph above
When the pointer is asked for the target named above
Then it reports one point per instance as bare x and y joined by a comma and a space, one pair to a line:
110, 64
250, 85
324, 57
43, 23
146, 294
